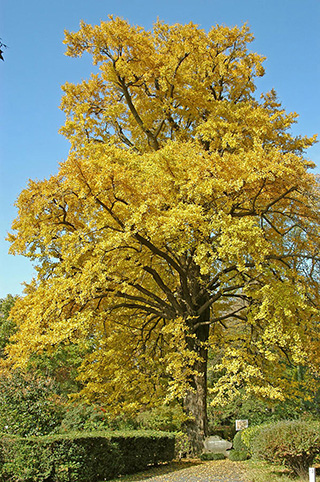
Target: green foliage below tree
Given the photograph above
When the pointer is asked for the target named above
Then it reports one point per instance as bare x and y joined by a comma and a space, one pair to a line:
29, 405
258, 411
79, 416
7, 326
166, 418
61, 365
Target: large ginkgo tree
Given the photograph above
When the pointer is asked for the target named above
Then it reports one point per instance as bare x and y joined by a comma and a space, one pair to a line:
185, 219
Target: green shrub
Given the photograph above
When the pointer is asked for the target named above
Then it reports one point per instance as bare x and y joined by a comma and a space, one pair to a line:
80, 457
238, 443
182, 445
140, 448
166, 418
212, 456
29, 405
248, 435
238, 455
292, 443
79, 416
240, 450
92, 418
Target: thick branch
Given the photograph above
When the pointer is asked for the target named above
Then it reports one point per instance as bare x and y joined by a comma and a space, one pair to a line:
160, 304
149, 294
164, 288
220, 318
160, 253
253, 212
133, 306
151, 137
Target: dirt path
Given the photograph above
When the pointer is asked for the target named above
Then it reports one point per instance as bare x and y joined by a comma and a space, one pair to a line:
213, 471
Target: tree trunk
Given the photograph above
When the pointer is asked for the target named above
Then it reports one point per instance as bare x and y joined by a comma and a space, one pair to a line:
195, 402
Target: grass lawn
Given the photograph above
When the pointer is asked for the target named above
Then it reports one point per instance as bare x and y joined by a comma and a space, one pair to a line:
262, 472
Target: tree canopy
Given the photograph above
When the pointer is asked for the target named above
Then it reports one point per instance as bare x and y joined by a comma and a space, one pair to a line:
184, 219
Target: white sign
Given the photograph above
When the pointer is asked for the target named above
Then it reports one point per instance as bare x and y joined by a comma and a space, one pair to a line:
241, 424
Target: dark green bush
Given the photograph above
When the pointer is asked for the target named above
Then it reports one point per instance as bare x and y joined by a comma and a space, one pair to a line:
82, 457
212, 456
292, 443
238, 455
226, 432
140, 449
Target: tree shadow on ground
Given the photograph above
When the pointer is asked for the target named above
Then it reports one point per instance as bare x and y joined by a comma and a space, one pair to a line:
162, 469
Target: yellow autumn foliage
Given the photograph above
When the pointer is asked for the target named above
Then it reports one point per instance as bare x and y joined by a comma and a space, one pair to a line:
185, 218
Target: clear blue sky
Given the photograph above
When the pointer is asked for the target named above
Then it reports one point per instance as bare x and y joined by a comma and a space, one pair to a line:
286, 31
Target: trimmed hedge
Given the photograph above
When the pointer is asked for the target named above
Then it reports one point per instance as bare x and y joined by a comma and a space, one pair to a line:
80, 457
